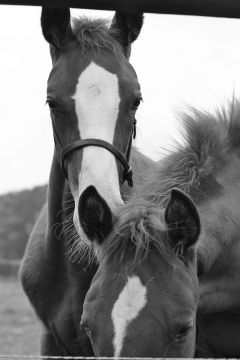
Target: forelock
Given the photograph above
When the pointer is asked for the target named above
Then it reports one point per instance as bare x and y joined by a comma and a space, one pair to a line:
141, 228
95, 35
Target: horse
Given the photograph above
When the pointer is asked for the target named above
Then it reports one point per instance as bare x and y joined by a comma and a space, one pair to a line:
168, 278
93, 94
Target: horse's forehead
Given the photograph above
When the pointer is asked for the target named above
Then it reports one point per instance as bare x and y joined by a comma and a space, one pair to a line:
70, 66
65, 73
131, 300
94, 80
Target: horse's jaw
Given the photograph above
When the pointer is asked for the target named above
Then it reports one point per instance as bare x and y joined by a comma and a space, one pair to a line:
82, 236
84, 248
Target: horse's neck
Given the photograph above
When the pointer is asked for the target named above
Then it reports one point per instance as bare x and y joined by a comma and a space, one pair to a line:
219, 308
219, 247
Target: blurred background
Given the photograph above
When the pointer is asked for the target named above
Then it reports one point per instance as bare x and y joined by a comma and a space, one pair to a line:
180, 61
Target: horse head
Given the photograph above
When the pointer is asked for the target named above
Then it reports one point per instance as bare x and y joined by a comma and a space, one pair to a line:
142, 301
93, 94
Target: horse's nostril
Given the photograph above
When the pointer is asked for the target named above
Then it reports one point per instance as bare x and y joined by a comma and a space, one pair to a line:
94, 214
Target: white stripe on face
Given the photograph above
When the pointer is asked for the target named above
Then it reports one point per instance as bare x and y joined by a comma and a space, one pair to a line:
130, 302
97, 105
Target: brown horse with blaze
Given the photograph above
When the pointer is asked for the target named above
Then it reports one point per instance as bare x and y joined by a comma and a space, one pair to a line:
93, 94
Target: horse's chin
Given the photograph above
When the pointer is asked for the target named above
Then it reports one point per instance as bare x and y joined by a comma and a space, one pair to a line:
82, 236
87, 246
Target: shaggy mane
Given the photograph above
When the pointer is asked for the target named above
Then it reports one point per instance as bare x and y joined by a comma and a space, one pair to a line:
95, 34
209, 141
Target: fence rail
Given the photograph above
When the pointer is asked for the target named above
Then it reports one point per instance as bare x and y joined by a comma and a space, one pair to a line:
82, 357
216, 8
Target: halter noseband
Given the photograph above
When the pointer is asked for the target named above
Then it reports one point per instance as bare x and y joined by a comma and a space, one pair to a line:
62, 153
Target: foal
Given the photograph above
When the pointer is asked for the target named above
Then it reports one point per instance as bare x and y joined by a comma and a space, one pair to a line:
172, 264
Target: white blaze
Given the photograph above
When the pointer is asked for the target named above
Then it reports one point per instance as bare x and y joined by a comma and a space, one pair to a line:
97, 105
130, 302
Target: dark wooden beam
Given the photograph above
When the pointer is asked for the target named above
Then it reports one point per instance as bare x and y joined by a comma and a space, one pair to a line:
216, 8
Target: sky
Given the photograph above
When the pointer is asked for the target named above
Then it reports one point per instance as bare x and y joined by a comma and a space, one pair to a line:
180, 61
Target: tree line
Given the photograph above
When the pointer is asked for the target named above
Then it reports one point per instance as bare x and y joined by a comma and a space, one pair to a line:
18, 213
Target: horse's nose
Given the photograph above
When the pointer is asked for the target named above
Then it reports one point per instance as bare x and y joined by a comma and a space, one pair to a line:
95, 215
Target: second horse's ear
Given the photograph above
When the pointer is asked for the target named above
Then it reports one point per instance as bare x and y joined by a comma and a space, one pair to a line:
56, 25
126, 27
182, 220
95, 215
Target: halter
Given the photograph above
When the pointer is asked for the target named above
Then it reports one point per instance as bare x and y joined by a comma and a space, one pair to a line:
63, 152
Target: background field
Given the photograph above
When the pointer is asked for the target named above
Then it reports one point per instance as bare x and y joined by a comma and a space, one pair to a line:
19, 328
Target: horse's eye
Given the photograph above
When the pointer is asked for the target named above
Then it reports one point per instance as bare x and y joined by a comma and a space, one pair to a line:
182, 333
53, 105
136, 103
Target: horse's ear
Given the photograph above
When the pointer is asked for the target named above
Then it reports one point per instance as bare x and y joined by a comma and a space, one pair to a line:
183, 220
56, 25
126, 27
95, 215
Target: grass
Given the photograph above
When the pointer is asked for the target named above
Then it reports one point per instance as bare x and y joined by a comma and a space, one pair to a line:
19, 328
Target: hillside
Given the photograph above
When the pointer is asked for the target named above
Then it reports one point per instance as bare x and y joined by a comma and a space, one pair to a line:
18, 212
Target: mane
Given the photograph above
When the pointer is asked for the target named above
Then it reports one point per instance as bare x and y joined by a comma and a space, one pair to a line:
209, 140
95, 34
